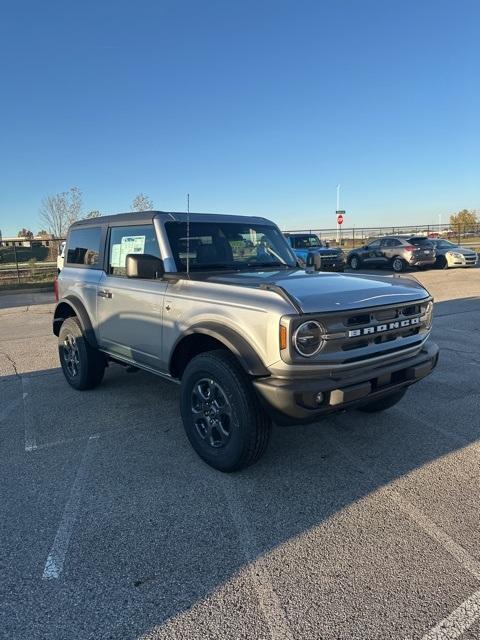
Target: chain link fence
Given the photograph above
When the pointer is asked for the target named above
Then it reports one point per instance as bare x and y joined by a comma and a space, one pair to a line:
22, 266
350, 237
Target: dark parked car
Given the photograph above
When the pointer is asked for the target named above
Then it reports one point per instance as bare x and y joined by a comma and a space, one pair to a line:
310, 249
395, 252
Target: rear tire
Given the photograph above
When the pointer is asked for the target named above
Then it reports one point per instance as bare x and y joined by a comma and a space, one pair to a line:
383, 403
221, 414
83, 366
398, 264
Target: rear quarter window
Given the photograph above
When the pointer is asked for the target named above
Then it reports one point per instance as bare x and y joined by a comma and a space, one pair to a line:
84, 247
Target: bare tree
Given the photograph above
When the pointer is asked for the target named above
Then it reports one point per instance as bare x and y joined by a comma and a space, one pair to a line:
59, 211
142, 203
93, 214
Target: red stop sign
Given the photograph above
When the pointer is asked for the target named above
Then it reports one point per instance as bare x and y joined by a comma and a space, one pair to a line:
339, 218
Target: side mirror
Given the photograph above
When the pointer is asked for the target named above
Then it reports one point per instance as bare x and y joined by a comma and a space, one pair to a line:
143, 265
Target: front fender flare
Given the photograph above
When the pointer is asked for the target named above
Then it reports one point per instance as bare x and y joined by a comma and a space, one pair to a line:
234, 342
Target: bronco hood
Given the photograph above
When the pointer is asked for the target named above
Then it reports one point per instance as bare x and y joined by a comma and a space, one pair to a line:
323, 291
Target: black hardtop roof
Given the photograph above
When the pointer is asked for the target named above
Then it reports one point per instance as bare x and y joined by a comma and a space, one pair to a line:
144, 217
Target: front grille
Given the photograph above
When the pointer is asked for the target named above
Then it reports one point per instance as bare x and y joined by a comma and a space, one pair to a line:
471, 259
353, 336
386, 352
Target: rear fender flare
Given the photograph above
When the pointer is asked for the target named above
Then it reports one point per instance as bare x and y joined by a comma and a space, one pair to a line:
79, 310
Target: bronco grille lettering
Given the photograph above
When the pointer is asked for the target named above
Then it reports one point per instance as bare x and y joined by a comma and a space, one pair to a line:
379, 328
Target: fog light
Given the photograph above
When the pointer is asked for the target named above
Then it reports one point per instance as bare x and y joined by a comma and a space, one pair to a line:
319, 397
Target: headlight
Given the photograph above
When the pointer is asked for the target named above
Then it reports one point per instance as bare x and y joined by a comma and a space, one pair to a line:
428, 315
457, 256
308, 338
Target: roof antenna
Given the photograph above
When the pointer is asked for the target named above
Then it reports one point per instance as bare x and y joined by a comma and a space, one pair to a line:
188, 234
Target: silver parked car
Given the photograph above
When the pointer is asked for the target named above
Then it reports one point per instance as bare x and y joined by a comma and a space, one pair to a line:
396, 252
453, 255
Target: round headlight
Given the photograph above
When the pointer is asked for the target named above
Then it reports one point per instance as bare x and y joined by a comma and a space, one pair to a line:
428, 315
308, 338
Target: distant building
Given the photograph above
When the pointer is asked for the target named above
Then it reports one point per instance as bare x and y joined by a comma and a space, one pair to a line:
21, 241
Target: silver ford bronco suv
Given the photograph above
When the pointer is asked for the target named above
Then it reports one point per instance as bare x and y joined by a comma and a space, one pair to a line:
219, 304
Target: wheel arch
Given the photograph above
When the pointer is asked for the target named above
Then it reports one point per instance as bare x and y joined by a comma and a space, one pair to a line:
206, 337
71, 306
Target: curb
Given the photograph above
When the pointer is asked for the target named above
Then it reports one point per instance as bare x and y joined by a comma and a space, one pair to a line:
17, 292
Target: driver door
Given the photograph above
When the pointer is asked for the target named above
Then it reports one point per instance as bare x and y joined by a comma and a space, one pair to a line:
372, 254
130, 311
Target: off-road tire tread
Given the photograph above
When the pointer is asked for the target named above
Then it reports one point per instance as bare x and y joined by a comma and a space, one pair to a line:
95, 361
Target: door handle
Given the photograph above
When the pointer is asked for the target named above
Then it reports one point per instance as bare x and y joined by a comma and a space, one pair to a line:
104, 294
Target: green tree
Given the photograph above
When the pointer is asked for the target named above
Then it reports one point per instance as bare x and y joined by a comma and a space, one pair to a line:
142, 203
467, 220
93, 214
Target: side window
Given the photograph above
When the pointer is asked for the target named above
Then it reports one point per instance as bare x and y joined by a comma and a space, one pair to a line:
84, 247
374, 245
125, 240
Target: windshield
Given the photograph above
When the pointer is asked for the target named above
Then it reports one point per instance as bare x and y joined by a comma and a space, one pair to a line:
228, 245
305, 242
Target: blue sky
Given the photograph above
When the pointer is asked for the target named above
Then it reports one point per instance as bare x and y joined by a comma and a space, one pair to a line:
255, 107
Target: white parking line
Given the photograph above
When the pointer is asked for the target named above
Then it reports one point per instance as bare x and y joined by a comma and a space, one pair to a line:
453, 548
273, 611
30, 436
428, 526
56, 557
458, 621
469, 611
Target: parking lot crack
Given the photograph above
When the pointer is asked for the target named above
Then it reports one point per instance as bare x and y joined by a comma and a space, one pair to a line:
11, 361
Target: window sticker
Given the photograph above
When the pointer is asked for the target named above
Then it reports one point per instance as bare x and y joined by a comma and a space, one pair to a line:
129, 244
115, 259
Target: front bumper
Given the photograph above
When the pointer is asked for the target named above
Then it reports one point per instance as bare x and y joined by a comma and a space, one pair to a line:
326, 263
293, 400
464, 261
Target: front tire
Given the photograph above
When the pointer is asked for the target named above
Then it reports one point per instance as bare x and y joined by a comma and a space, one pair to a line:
383, 403
441, 262
221, 414
354, 263
83, 366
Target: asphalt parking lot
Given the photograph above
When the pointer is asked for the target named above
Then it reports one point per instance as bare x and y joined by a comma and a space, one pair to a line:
363, 526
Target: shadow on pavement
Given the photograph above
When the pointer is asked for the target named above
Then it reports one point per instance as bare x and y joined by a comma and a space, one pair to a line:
158, 531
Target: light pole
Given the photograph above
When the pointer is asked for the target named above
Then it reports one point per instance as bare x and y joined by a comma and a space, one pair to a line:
338, 209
